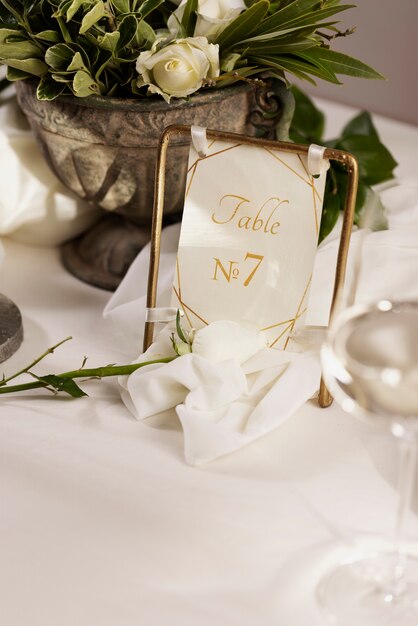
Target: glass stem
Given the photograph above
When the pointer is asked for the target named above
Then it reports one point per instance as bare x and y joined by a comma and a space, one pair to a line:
408, 453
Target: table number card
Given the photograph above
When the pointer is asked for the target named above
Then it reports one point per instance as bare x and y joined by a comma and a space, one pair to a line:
248, 238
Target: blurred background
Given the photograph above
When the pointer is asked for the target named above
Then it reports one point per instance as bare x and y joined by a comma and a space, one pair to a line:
385, 38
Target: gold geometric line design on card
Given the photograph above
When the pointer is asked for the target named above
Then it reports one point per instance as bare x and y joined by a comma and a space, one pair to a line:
212, 143
271, 152
298, 310
290, 323
278, 324
315, 210
311, 178
209, 156
187, 309
192, 169
178, 277
191, 176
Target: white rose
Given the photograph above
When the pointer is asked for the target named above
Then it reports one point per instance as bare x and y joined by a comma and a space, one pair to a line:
224, 340
178, 69
213, 16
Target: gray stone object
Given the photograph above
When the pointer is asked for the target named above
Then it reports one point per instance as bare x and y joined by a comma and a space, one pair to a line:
11, 328
105, 151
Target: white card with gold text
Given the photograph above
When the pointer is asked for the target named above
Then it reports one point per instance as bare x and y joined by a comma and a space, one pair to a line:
248, 238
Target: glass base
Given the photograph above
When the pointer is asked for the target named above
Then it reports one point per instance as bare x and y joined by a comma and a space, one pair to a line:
377, 589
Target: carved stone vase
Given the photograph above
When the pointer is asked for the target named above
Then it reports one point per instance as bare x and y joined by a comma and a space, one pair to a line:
105, 150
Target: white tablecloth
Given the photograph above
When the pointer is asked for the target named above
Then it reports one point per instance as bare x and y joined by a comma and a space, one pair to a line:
103, 524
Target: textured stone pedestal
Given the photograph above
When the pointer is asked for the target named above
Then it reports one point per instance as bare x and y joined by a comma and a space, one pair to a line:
11, 329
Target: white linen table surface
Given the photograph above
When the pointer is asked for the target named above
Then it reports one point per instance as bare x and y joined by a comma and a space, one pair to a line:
103, 524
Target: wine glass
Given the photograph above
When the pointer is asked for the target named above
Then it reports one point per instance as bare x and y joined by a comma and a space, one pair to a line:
370, 363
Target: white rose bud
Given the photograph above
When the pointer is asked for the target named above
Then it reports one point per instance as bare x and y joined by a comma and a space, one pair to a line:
178, 69
213, 16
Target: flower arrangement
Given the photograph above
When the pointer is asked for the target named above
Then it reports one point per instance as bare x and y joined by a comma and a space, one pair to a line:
134, 48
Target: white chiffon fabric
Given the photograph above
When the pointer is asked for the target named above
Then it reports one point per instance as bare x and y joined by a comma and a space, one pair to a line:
35, 207
223, 407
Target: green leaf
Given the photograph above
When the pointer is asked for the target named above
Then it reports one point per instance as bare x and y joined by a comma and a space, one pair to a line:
48, 88
14, 74
242, 26
59, 56
331, 210
123, 6
77, 63
300, 13
308, 121
370, 211
144, 36
5, 33
189, 17
127, 31
84, 85
340, 63
376, 164
93, 16
35, 67
179, 328
65, 385
51, 36
229, 61
148, 6
362, 124
73, 8
110, 41
19, 50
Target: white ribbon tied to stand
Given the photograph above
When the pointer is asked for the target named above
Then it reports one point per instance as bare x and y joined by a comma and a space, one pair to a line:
316, 161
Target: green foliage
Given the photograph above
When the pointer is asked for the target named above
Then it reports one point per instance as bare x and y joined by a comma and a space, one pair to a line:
89, 47
359, 137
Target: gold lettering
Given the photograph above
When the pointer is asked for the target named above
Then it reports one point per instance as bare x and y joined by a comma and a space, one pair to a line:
259, 258
228, 274
241, 201
257, 222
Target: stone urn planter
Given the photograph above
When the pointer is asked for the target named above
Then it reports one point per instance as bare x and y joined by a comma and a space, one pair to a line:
105, 151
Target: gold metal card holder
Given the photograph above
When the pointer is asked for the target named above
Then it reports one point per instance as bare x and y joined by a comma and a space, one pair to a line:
348, 160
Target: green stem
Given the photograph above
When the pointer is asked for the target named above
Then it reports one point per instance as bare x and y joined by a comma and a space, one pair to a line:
95, 372
35, 362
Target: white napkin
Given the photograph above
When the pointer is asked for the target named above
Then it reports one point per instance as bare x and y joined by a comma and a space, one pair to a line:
222, 402
217, 419
34, 205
